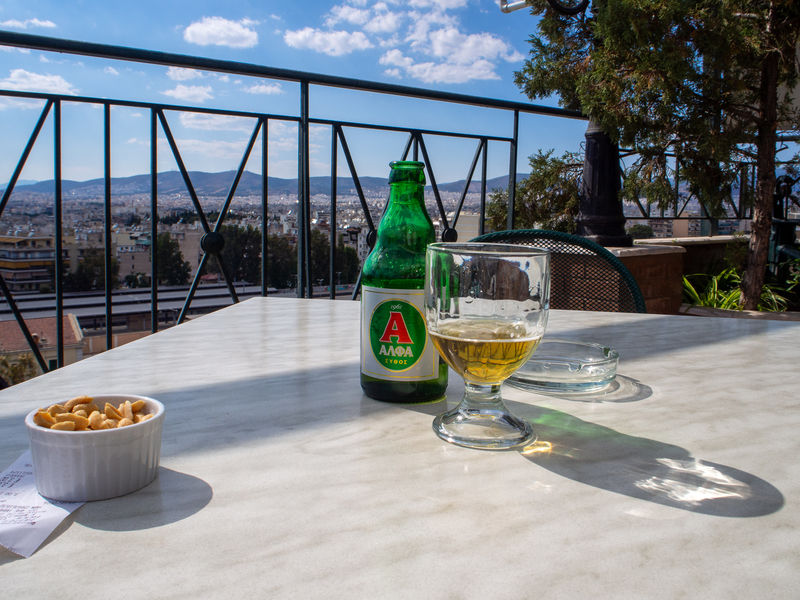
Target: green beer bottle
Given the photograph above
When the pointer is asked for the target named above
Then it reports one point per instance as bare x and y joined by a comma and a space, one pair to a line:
398, 360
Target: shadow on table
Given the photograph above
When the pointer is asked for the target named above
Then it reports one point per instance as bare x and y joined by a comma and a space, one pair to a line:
172, 497
642, 468
656, 335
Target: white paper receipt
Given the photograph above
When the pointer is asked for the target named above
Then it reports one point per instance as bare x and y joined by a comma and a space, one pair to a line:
26, 519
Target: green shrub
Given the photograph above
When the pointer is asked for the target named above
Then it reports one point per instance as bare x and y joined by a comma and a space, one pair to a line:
723, 291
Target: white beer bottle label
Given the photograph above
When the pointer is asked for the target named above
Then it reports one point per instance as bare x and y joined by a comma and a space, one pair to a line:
395, 344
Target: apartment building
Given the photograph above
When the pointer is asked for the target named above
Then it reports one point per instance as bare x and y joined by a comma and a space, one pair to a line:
27, 263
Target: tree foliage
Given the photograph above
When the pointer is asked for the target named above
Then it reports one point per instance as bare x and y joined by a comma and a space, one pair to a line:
91, 273
22, 369
697, 79
547, 199
281, 262
172, 269
640, 232
346, 262
137, 280
241, 254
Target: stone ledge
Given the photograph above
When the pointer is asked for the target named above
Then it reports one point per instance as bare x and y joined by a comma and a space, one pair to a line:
647, 250
706, 311
691, 241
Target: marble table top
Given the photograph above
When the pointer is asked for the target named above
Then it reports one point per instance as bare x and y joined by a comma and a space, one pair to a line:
280, 479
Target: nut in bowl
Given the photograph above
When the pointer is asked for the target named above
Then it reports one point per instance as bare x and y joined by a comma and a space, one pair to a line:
85, 464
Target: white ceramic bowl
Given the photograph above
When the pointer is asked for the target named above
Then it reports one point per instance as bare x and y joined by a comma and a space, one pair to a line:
80, 466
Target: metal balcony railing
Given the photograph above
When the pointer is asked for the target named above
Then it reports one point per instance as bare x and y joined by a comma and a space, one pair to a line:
211, 241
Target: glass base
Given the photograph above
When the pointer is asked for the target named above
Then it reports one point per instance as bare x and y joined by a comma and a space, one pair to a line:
483, 422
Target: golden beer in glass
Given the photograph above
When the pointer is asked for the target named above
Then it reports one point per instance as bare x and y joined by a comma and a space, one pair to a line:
486, 308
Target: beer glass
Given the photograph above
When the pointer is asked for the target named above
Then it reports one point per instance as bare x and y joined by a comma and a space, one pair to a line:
486, 308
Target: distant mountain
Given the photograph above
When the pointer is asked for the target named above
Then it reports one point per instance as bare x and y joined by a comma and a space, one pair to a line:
20, 182
218, 184
475, 184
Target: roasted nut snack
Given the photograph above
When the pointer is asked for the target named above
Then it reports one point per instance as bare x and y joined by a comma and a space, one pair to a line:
81, 414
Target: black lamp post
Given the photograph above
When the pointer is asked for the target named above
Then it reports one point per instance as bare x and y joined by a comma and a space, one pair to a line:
600, 216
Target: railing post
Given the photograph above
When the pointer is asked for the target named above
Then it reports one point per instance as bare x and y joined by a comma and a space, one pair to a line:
153, 220
512, 174
334, 171
264, 204
304, 285
59, 234
108, 258
482, 222
677, 186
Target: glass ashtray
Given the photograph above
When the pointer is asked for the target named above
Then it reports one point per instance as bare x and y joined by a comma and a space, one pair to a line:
567, 367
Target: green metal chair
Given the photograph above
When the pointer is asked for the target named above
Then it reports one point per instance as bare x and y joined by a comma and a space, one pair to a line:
583, 275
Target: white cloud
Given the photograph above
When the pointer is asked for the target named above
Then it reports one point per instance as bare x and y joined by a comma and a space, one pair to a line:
283, 139
424, 22
181, 74
513, 56
441, 4
222, 32
19, 79
224, 78
264, 88
190, 93
136, 114
282, 128
216, 149
14, 23
452, 56
418, 32
434, 47
396, 58
461, 68
216, 122
457, 47
390, 42
387, 22
333, 43
452, 73
111, 71
20, 103
347, 14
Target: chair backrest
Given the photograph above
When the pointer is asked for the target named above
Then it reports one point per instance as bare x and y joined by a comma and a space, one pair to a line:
583, 275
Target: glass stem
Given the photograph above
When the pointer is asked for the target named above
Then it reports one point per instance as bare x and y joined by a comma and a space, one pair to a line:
482, 397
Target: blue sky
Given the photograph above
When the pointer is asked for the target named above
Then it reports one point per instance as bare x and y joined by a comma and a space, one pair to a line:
462, 46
